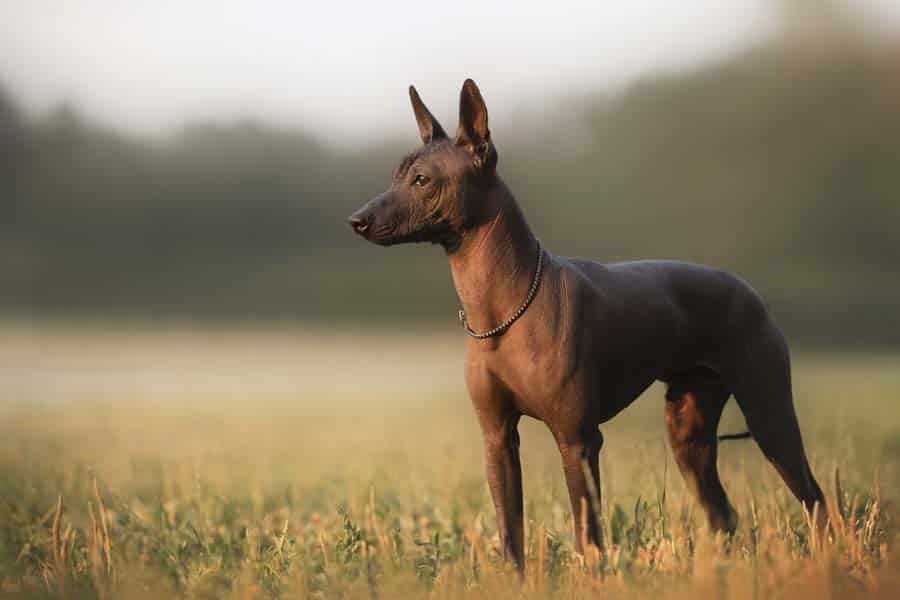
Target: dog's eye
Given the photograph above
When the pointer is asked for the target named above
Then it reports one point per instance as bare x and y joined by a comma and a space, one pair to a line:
420, 180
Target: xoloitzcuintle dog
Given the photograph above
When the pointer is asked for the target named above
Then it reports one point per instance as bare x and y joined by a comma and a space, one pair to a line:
572, 342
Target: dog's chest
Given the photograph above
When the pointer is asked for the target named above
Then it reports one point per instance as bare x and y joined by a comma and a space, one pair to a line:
535, 380
576, 379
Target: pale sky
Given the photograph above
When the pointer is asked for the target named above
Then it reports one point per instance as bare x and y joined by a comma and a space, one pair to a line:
342, 68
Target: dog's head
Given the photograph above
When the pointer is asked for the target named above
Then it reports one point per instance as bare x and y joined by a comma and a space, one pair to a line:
439, 190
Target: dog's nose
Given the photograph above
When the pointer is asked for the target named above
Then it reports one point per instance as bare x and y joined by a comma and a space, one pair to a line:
359, 223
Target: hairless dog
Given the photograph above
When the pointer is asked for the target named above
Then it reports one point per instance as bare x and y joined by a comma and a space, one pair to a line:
572, 342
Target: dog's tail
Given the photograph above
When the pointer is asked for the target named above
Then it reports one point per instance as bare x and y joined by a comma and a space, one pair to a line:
734, 436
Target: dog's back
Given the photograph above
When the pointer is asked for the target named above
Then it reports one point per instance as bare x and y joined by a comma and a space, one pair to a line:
690, 313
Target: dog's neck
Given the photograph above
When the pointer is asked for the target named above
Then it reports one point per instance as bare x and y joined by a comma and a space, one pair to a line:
494, 265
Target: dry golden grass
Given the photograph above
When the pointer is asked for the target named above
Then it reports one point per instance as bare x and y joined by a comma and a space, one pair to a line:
358, 473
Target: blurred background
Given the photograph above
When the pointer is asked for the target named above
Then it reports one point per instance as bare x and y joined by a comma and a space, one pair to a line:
195, 162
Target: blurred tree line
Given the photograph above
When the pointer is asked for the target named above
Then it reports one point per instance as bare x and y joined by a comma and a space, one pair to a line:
781, 164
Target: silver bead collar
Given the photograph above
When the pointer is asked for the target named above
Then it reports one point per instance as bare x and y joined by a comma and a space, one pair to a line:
502, 327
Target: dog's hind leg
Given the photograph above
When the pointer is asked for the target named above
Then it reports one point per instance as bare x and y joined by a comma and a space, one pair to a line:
763, 392
694, 405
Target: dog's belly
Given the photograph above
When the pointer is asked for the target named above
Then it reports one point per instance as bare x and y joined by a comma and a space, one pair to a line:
615, 401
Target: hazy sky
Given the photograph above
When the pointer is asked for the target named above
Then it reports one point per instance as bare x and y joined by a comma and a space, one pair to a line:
343, 67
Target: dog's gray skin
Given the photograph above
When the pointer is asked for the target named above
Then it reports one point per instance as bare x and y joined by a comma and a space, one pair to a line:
593, 339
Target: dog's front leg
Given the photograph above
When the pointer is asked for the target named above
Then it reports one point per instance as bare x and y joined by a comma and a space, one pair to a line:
504, 476
499, 420
581, 464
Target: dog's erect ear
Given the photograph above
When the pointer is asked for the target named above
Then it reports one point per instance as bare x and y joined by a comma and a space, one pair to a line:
429, 129
473, 133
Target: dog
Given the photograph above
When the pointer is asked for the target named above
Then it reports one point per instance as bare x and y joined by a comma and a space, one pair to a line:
572, 342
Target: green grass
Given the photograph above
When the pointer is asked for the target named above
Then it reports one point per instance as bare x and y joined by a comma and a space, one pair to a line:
362, 476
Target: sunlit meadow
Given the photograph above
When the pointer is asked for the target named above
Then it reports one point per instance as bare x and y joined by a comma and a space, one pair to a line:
160, 461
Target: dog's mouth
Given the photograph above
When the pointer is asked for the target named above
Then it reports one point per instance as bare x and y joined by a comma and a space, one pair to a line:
381, 235
389, 235
364, 227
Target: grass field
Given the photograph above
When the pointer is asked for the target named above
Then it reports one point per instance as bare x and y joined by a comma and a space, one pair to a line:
153, 462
